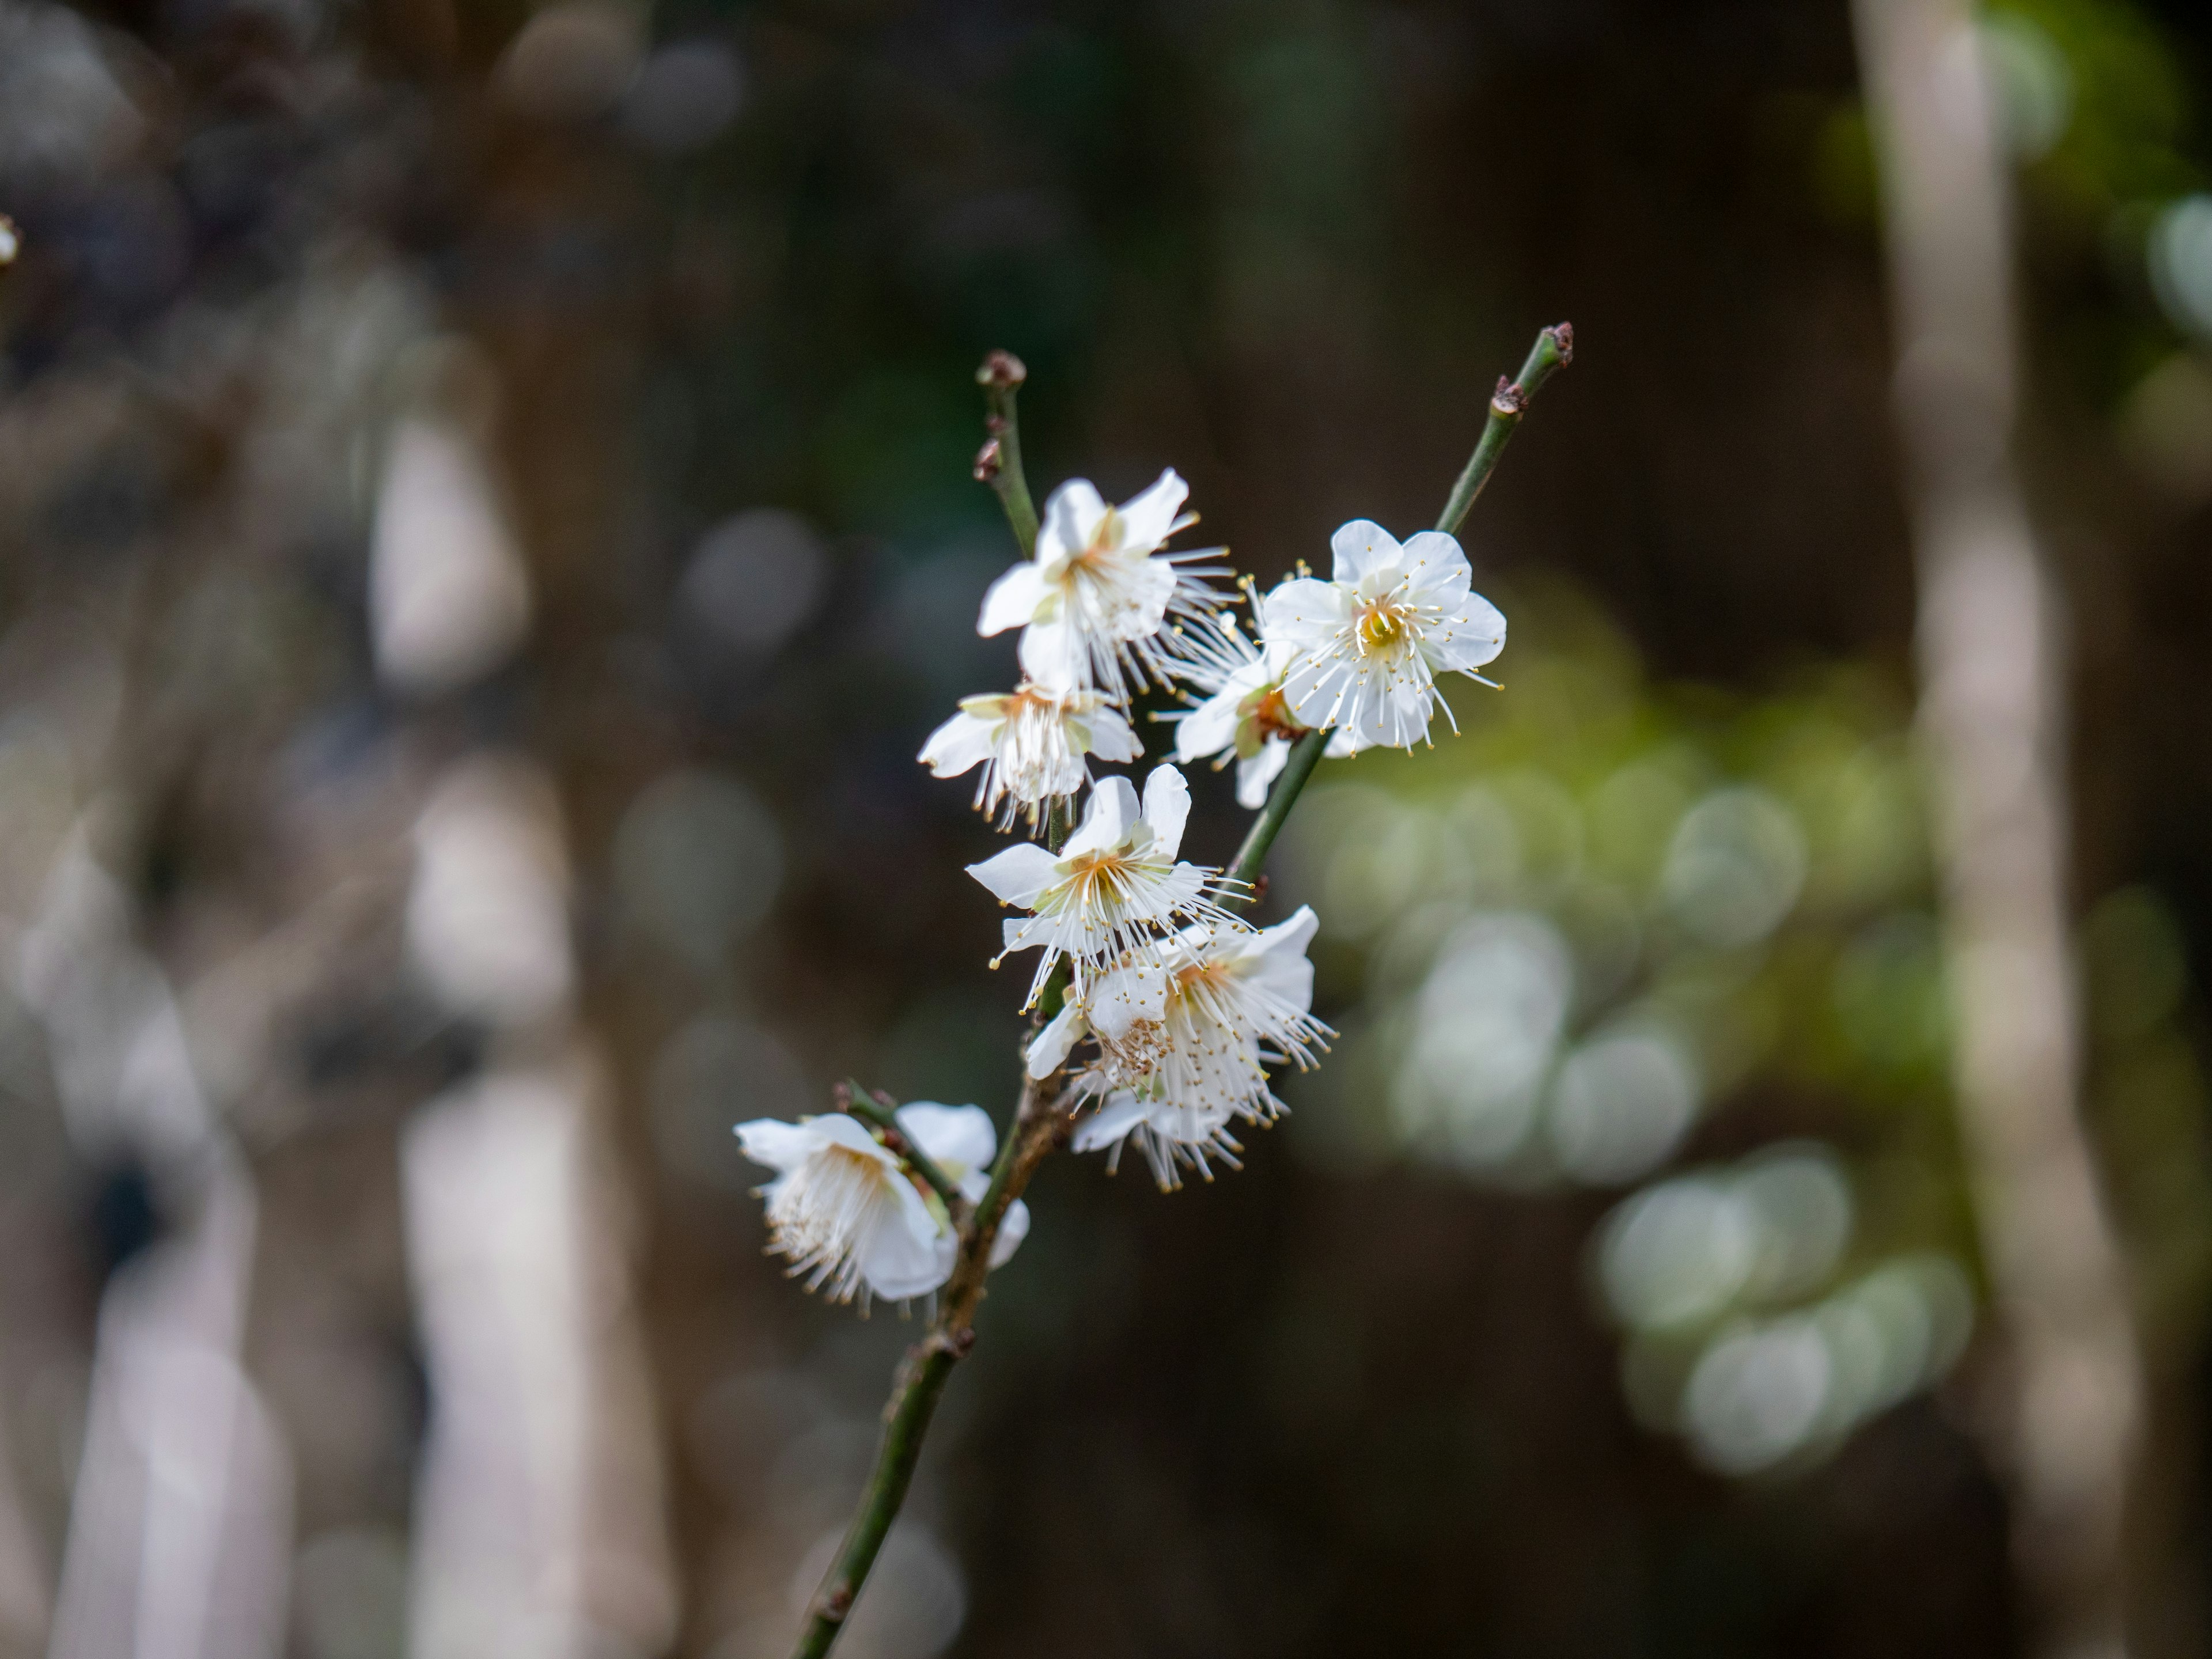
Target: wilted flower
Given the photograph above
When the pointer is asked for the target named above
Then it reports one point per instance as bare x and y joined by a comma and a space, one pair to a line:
1098, 591
1363, 649
851, 1218
1033, 744
1115, 887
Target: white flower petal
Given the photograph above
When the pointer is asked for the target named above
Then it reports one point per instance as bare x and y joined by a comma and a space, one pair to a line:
961, 743
899, 1260
1017, 875
1305, 612
1167, 808
1107, 819
1072, 513
1470, 637
1107, 1124
1048, 1049
1436, 567
778, 1144
1209, 728
1275, 961
1111, 738
1149, 519
1013, 599
953, 1136
1116, 1001
1361, 546
1254, 776
1053, 654
1013, 1228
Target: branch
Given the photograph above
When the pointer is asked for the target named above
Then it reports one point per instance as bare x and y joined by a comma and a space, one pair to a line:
1553, 350
1041, 1121
1305, 754
880, 1113
1039, 1126
998, 463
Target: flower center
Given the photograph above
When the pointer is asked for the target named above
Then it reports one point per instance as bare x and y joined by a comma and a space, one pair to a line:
1271, 717
1383, 627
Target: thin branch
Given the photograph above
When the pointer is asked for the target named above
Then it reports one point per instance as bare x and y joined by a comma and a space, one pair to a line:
1553, 350
1305, 754
1040, 1124
880, 1113
998, 463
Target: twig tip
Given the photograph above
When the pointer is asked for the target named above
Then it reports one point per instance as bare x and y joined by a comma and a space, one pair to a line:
1002, 371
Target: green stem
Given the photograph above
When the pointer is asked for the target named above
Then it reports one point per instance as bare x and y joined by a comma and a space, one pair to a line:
883, 1118
998, 463
1305, 754
927, 1370
1037, 1127
1553, 350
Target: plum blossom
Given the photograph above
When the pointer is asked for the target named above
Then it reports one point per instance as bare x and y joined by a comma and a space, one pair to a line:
1033, 744
1114, 887
1179, 1062
1244, 716
1363, 649
849, 1215
1097, 598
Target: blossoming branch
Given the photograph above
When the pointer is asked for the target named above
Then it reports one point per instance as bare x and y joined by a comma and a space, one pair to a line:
1159, 1010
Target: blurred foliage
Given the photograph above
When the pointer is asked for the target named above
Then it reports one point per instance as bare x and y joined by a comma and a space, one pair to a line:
1614, 927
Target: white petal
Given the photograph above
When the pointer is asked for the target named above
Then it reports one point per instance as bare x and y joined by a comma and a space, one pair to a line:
1342, 745
956, 1136
778, 1144
962, 742
1472, 636
1361, 546
1437, 567
1106, 820
1053, 654
1111, 738
1254, 776
1048, 1049
1072, 516
1107, 1124
843, 1129
1017, 875
1276, 960
1013, 599
909, 1255
1209, 728
1118, 1000
1012, 1230
1149, 519
1167, 808
1304, 612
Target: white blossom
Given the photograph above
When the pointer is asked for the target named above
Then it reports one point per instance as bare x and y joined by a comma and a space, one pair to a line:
1364, 648
1245, 716
1115, 887
1033, 744
1177, 1063
849, 1216
1098, 592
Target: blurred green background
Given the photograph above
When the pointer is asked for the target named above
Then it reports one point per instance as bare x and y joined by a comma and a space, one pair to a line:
485, 524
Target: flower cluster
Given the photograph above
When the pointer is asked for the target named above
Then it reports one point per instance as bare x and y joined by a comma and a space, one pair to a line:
1171, 1007
1181, 1005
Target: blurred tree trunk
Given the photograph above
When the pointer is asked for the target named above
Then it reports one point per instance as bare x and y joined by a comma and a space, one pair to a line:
1993, 683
